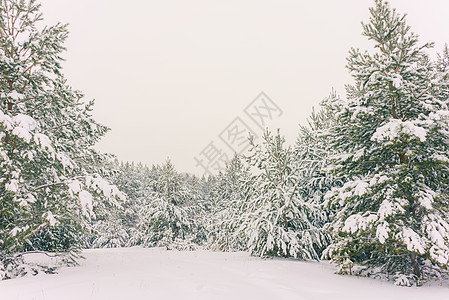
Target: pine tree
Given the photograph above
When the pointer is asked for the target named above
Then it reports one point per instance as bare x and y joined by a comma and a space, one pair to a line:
277, 221
165, 220
51, 177
312, 153
118, 227
198, 202
392, 140
233, 189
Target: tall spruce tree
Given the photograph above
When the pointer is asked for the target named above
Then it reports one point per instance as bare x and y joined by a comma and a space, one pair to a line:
392, 138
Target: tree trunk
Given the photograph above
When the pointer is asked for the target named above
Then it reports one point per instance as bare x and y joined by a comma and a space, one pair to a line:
414, 259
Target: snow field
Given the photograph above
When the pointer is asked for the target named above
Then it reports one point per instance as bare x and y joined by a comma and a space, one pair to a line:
138, 273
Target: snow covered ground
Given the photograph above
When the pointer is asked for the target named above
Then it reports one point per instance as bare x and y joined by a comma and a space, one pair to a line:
136, 273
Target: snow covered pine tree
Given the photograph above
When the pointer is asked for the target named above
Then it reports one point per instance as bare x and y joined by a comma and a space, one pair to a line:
312, 153
234, 187
49, 173
165, 220
277, 220
393, 140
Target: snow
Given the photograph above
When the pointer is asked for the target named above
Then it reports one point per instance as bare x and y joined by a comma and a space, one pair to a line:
15, 95
360, 187
86, 200
440, 255
137, 273
12, 186
356, 222
43, 141
439, 251
386, 209
22, 133
382, 232
65, 160
426, 198
24, 121
351, 188
439, 115
441, 158
14, 231
20, 124
413, 241
51, 219
394, 128
24, 202
74, 187
397, 80
5, 120
103, 186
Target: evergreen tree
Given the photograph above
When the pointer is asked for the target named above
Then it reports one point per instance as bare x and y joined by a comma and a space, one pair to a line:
392, 141
233, 189
312, 153
165, 219
117, 227
51, 178
198, 203
277, 221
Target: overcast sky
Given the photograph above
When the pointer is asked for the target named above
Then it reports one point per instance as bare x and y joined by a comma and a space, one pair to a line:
170, 77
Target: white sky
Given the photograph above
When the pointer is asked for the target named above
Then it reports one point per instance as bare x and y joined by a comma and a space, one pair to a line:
169, 76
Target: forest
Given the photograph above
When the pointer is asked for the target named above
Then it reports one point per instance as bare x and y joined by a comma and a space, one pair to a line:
364, 186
